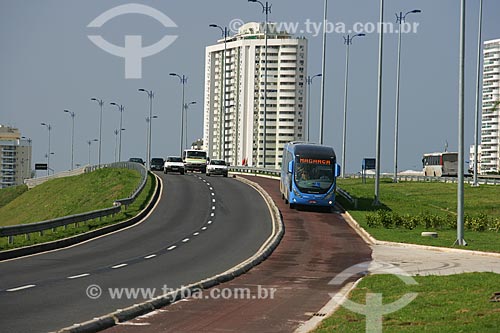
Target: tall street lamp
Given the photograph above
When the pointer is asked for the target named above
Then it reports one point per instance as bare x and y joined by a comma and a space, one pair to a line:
323, 75
478, 95
121, 109
72, 114
89, 142
347, 42
309, 83
49, 128
400, 18
461, 113
151, 95
101, 103
149, 121
183, 81
186, 107
222, 121
376, 201
265, 9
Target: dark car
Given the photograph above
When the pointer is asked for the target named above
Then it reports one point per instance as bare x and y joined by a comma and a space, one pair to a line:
136, 160
157, 163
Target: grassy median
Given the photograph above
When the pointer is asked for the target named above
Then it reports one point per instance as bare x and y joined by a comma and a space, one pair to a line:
73, 195
408, 208
455, 303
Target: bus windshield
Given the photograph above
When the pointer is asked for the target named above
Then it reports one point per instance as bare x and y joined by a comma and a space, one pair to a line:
313, 176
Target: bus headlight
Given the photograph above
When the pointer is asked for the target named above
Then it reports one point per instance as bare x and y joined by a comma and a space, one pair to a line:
297, 193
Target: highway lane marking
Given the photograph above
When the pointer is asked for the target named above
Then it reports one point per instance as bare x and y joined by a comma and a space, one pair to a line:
209, 222
211, 189
119, 266
213, 207
204, 228
150, 256
22, 287
196, 234
78, 276
212, 215
171, 248
213, 193
185, 240
213, 200
208, 184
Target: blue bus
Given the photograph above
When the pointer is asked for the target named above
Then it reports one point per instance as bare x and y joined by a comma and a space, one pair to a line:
308, 174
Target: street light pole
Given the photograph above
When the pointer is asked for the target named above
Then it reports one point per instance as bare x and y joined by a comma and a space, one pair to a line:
478, 96
101, 103
347, 42
323, 76
49, 128
72, 114
183, 81
222, 121
400, 18
121, 108
89, 142
265, 9
309, 83
186, 107
461, 111
376, 201
151, 95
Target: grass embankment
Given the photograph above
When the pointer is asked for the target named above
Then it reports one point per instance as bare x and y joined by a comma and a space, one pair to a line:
418, 200
456, 303
73, 195
10, 193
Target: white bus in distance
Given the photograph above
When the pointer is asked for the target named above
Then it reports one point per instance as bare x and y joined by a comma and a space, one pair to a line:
440, 164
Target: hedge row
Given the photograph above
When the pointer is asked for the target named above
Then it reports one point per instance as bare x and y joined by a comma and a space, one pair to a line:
388, 219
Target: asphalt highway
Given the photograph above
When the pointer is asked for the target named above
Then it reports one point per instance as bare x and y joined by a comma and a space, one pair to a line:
202, 226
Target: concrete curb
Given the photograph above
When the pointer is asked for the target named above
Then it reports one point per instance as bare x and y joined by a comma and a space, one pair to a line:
65, 242
370, 240
112, 319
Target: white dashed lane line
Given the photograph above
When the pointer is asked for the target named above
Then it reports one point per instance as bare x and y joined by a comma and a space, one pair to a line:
119, 266
78, 276
204, 228
209, 222
21, 288
196, 234
213, 200
150, 256
212, 215
171, 248
185, 240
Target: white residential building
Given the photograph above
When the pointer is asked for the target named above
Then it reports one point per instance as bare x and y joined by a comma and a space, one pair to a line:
490, 134
471, 159
15, 158
242, 102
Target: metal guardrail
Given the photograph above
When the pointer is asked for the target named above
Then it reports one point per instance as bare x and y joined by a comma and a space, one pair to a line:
483, 180
26, 229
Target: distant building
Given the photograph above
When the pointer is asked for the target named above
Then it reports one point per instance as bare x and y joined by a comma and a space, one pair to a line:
15, 158
490, 134
471, 159
242, 103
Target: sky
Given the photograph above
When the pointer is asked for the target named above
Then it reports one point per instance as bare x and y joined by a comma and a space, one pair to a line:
49, 64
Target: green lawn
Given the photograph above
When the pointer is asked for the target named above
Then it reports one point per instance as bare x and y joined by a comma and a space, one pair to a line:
111, 177
434, 198
455, 303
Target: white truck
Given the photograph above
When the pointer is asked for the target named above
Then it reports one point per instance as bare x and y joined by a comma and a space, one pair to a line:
195, 160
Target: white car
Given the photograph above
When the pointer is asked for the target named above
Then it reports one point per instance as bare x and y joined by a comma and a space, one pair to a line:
174, 164
217, 167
